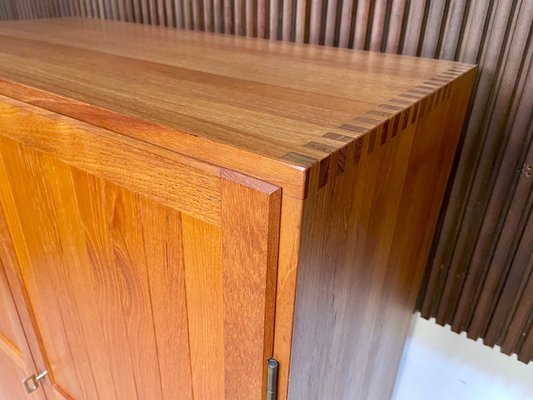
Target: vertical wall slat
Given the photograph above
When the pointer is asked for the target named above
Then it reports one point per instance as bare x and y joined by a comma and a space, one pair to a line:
238, 17
452, 29
83, 8
473, 37
179, 14
274, 19
228, 16
517, 127
315, 22
520, 325
261, 18
301, 15
514, 285
187, 14
452, 246
346, 22
394, 34
169, 13
197, 15
482, 155
432, 28
218, 16
360, 27
287, 20
120, 10
413, 27
377, 26
250, 13
331, 22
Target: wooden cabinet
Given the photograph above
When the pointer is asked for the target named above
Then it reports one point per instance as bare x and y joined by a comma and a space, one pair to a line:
132, 297
178, 208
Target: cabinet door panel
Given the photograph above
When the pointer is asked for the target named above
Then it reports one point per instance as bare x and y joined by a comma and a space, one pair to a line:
13, 368
11, 375
9, 334
16, 361
133, 299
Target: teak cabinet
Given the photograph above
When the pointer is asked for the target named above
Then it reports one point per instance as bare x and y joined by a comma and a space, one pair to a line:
178, 208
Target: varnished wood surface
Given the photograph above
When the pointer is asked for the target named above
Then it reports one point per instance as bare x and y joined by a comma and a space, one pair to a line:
14, 354
438, 29
177, 181
250, 235
291, 103
16, 359
288, 258
134, 299
127, 148
366, 238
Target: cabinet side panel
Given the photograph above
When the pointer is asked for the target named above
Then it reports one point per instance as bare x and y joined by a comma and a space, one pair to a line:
365, 237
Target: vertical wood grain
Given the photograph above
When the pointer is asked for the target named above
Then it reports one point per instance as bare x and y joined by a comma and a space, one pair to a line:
127, 238
251, 210
476, 31
369, 233
27, 346
32, 242
289, 248
205, 313
106, 287
165, 264
15, 358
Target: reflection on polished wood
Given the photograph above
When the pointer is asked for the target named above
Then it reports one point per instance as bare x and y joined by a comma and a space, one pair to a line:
179, 207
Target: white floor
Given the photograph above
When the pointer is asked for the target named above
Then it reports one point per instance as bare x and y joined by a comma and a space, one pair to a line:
439, 364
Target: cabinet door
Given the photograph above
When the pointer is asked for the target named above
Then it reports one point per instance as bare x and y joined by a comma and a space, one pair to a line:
149, 275
13, 368
16, 363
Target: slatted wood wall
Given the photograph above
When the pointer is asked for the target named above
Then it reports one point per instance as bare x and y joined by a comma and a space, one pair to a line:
479, 278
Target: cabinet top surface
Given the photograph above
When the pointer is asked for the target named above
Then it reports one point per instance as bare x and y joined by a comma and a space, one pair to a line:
293, 103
